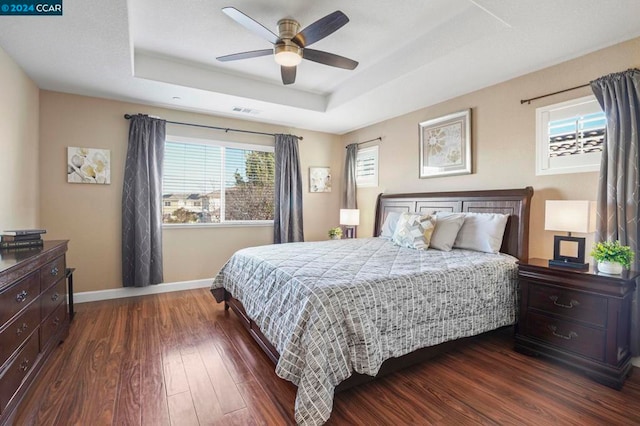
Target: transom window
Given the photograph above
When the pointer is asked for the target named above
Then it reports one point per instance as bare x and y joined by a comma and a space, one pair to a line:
217, 182
570, 137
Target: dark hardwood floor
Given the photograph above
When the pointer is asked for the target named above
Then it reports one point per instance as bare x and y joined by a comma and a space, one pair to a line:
180, 359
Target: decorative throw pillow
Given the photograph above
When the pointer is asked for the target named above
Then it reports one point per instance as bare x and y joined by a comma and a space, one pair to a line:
414, 230
482, 232
389, 225
446, 230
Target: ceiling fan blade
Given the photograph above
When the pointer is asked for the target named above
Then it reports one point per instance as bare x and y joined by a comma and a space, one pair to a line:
330, 59
288, 74
245, 55
321, 28
250, 24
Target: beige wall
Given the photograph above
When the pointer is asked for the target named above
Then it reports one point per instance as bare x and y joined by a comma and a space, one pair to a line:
503, 140
19, 195
90, 215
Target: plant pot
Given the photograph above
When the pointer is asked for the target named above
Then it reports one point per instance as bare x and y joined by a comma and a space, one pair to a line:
336, 237
610, 268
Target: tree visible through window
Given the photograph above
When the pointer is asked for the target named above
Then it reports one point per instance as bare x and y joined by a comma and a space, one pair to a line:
209, 182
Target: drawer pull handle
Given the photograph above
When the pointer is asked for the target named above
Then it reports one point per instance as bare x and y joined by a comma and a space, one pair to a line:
572, 334
22, 296
571, 304
54, 271
22, 329
24, 365
56, 322
55, 297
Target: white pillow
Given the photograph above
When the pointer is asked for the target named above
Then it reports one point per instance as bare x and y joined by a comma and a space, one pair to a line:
414, 230
446, 230
389, 225
482, 232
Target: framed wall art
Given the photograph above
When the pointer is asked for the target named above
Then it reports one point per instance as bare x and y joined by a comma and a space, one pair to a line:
319, 179
88, 165
445, 145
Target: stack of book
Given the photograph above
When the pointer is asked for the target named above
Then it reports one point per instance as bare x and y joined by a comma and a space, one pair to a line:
21, 238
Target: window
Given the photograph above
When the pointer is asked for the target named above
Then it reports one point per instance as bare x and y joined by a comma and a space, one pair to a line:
216, 182
569, 137
367, 167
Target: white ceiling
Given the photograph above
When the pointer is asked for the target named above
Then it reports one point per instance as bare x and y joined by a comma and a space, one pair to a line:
412, 53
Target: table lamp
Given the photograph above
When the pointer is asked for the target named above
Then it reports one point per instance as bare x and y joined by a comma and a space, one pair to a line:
350, 218
569, 216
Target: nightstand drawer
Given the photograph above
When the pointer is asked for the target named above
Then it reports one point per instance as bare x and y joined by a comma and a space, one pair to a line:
576, 305
567, 335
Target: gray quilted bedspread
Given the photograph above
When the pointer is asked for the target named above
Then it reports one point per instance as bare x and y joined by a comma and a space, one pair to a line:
334, 307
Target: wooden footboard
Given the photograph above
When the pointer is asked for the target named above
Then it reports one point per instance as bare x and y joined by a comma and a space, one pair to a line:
389, 366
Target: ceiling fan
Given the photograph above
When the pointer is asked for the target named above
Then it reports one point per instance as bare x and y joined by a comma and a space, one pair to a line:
291, 46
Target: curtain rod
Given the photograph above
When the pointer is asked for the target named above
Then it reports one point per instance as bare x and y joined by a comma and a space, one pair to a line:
370, 140
226, 129
528, 101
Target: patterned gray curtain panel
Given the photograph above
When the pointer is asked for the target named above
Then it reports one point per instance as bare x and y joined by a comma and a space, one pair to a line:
617, 215
142, 203
349, 192
287, 223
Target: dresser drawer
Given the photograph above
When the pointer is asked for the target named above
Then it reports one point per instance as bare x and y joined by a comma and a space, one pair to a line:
52, 325
14, 374
18, 330
51, 272
576, 305
53, 297
18, 296
568, 335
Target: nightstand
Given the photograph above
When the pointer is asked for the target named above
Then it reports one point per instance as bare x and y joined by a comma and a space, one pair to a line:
578, 318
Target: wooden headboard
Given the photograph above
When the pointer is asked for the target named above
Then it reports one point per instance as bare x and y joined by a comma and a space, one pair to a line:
514, 202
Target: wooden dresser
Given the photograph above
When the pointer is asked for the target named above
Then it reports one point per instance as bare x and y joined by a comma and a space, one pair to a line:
33, 317
579, 318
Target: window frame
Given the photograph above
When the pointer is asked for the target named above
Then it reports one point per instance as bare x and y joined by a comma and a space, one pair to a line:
371, 182
582, 163
223, 144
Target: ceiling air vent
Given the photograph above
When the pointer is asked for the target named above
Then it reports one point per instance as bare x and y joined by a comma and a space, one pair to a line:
244, 110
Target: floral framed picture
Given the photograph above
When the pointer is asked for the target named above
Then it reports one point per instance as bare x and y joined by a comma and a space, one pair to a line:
445, 145
88, 165
319, 179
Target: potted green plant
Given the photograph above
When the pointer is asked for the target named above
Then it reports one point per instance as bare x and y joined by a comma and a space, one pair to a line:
335, 233
612, 256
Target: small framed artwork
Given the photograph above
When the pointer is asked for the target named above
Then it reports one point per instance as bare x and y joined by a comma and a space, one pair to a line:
319, 179
445, 145
88, 165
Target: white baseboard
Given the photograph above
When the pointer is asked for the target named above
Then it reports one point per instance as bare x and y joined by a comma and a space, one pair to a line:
117, 293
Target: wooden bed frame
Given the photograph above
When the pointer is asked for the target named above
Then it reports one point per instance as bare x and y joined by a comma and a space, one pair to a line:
514, 202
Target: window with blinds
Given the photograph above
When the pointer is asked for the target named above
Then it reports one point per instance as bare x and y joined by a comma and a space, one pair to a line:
210, 182
367, 167
570, 137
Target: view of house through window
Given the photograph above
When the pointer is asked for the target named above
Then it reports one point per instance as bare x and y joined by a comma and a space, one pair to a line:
569, 136
209, 182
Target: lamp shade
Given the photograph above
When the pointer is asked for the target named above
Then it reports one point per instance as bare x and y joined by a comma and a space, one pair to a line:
350, 217
570, 216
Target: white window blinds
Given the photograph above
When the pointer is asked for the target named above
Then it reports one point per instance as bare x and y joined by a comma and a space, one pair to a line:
367, 167
215, 183
569, 137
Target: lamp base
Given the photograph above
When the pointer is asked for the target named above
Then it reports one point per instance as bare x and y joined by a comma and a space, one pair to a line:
565, 264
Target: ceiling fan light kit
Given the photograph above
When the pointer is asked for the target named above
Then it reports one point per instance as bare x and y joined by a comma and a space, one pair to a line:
290, 47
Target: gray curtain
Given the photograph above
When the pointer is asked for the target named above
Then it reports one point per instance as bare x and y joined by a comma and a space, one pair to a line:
142, 203
617, 215
287, 223
349, 192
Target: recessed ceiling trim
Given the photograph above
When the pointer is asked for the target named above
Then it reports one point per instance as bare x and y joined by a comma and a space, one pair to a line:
165, 70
